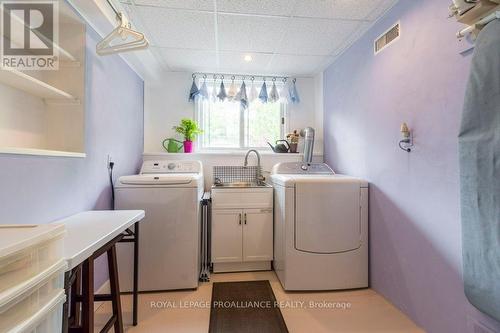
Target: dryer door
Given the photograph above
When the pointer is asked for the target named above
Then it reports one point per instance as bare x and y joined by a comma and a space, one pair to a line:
327, 215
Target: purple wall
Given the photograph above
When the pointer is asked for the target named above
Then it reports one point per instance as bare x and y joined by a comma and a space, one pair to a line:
43, 189
414, 198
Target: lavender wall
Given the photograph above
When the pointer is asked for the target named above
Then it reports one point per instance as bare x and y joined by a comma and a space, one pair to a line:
414, 198
44, 189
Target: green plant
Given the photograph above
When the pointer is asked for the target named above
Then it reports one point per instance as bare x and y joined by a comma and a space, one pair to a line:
188, 128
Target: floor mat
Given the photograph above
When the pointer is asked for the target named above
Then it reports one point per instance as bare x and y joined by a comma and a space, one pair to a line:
247, 306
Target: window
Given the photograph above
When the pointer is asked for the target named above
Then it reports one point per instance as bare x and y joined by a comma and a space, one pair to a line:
226, 125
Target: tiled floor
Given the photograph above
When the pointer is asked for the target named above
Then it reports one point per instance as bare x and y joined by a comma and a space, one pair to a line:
170, 312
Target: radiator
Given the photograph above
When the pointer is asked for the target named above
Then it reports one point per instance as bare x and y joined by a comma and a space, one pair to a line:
205, 238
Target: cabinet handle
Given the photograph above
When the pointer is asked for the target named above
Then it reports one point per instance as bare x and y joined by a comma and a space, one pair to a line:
245, 218
240, 219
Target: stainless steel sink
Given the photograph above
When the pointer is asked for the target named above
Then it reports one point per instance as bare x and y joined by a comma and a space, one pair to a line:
241, 185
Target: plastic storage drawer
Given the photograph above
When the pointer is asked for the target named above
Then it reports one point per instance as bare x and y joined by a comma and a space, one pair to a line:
47, 320
27, 250
27, 299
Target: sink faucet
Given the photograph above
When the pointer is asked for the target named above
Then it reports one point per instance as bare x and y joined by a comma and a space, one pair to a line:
260, 178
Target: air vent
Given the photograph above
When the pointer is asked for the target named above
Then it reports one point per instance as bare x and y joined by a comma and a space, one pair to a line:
389, 37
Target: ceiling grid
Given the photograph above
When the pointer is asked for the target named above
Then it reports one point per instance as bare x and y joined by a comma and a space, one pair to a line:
293, 37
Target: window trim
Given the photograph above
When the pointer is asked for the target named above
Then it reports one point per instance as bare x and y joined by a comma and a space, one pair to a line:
199, 115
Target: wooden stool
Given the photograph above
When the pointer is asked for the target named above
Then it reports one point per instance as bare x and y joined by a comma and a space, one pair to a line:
82, 293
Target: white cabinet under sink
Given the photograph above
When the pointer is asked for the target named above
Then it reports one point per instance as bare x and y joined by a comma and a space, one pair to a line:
227, 236
258, 235
242, 237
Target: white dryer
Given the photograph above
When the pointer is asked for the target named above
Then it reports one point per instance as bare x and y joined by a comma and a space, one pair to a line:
320, 228
169, 237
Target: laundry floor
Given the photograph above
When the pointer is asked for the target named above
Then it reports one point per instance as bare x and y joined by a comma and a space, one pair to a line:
363, 310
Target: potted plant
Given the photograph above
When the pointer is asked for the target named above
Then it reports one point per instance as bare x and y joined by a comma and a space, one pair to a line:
189, 130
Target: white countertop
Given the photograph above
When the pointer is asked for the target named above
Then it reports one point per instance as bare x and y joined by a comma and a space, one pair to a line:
88, 231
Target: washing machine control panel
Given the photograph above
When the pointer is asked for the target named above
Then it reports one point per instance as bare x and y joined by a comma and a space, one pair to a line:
164, 166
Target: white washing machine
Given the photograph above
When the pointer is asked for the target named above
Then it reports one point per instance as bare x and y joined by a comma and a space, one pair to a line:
320, 228
169, 236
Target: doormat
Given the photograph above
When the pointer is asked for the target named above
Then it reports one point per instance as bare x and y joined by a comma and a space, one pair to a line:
247, 306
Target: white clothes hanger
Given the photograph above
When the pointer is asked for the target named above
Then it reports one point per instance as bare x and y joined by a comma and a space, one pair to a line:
122, 39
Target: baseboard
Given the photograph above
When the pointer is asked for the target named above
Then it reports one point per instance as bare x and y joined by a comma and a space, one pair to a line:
226, 267
104, 289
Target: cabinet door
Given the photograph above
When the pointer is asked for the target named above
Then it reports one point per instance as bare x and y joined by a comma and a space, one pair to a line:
257, 235
227, 236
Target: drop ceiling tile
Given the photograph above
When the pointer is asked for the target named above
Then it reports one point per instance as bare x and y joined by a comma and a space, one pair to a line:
338, 9
260, 7
233, 62
357, 34
381, 9
250, 33
303, 45
178, 28
316, 36
179, 4
325, 64
297, 65
188, 60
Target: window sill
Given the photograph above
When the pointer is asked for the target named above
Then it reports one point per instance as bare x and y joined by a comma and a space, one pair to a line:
227, 153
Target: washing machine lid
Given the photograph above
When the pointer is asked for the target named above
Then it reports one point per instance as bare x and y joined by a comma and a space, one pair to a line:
327, 214
184, 180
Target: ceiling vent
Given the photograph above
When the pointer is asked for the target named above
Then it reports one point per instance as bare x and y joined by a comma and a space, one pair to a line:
389, 37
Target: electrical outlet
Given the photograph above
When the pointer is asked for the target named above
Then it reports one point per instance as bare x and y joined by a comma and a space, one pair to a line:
110, 159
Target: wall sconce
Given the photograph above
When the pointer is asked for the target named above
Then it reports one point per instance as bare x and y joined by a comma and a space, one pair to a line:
407, 142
